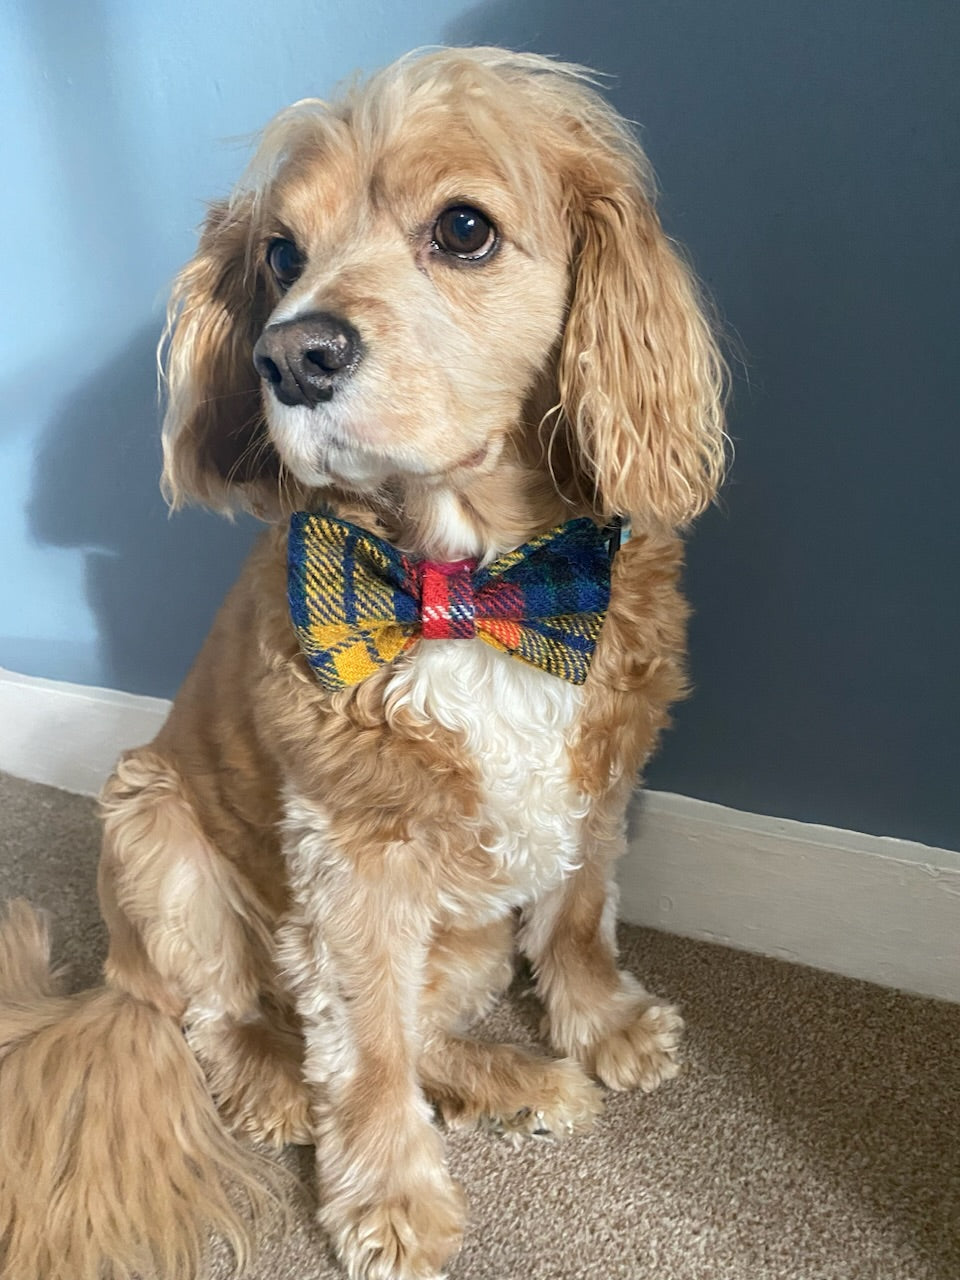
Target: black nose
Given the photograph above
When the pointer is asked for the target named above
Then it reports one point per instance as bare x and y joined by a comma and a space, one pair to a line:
304, 360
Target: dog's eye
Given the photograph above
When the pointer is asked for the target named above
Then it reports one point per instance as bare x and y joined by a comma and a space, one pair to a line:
285, 261
465, 233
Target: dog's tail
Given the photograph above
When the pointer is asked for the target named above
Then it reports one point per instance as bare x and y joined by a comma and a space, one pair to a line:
113, 1159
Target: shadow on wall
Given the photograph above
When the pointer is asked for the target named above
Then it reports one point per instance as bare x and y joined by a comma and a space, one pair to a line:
805, 153
153, 581
153, 585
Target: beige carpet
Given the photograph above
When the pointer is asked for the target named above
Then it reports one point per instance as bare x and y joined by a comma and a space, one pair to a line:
813, 1135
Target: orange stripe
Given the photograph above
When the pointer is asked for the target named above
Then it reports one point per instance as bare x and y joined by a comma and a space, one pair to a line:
502, 630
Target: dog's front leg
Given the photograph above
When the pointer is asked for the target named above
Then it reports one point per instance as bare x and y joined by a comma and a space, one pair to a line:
353, 951
597, 1013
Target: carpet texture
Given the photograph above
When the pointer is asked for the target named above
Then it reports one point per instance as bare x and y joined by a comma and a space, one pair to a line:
814, 1133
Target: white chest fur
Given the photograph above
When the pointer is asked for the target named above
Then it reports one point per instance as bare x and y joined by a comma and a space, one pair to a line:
515, 722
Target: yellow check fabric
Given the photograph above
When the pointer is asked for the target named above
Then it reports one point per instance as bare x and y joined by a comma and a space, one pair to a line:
356, 602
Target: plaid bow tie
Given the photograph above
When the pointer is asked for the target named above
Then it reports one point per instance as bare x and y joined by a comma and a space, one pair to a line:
357, 602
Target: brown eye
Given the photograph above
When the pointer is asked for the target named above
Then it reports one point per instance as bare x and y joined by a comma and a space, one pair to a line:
465, 233
285, 261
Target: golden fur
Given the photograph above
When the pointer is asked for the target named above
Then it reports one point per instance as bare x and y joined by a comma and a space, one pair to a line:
322, 891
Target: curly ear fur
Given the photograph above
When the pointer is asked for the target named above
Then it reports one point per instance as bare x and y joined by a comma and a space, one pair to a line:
640, 378
215, 447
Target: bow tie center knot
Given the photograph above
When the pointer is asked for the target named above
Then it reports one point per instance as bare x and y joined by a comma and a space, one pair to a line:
447, 603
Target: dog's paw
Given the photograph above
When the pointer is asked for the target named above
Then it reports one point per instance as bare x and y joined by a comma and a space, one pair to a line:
406, 1236
277, 1118
642, 1053
558, 1101
256, 1077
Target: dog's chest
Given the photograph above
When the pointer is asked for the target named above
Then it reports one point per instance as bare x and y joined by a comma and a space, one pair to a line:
515, 724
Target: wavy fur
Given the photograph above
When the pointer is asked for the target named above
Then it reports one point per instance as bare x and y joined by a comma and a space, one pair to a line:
311, 896
126, 1166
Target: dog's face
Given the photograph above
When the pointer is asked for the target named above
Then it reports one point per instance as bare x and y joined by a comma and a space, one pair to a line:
431, 280
416, 297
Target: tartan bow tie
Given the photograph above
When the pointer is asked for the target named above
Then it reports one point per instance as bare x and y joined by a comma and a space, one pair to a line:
357, 602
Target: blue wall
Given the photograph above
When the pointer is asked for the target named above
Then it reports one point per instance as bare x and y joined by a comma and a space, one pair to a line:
808, 154
120, 120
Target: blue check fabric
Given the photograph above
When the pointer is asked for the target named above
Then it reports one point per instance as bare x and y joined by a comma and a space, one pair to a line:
357, 602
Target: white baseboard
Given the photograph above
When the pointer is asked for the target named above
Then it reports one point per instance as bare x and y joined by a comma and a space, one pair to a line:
69, 735
870, 907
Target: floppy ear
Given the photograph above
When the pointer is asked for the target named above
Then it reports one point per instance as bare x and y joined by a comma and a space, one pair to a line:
640, 377
216, 450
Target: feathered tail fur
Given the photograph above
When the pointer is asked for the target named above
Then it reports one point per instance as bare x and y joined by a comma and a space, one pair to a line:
113, 1159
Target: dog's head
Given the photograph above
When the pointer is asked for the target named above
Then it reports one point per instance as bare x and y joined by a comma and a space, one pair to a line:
454, 272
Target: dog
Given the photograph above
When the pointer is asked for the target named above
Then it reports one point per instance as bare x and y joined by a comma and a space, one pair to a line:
439, 343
